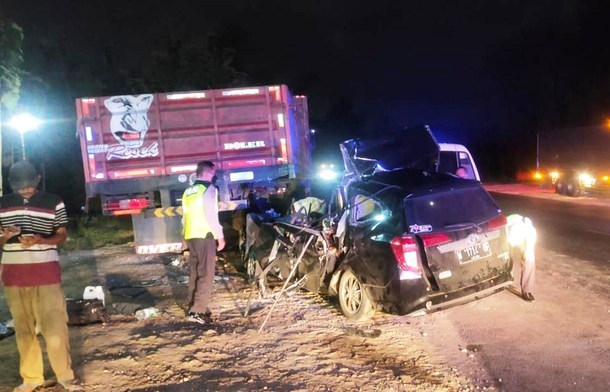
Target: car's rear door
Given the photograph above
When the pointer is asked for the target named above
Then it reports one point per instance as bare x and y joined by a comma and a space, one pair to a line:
461, 233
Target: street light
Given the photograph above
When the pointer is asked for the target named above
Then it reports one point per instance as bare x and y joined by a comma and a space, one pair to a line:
23, 123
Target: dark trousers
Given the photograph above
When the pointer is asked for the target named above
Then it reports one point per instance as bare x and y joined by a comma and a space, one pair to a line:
202, 262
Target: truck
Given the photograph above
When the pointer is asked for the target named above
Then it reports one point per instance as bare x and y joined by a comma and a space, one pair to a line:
452, 156
574, 161
139, 152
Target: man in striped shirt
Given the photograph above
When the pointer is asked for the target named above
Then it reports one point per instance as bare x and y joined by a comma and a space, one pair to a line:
33, 224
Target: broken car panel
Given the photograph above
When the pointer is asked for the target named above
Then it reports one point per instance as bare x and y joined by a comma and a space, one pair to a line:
398, 235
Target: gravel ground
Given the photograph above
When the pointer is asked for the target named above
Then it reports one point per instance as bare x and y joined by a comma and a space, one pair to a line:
306, 344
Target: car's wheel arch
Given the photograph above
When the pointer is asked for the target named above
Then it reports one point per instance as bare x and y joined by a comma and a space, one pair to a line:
351, 264
333, 285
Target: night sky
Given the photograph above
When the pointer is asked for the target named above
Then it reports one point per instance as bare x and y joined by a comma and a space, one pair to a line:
489, 74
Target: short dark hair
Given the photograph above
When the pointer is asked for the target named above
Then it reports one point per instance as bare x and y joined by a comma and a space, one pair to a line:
203, 166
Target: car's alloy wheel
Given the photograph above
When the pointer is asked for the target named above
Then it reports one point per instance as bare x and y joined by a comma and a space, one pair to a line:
353, 298
251, 265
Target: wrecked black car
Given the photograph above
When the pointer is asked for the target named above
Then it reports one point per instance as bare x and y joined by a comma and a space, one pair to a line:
396, 235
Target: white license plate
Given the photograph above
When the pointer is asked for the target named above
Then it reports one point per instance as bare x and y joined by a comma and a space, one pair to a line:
473, 252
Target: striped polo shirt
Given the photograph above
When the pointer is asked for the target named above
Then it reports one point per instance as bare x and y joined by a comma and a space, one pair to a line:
37, 265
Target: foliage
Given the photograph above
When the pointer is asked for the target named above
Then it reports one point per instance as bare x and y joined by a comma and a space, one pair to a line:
200, 62
11, 61
99, 231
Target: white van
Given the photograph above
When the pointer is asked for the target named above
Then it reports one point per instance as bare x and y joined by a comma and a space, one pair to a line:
453, 156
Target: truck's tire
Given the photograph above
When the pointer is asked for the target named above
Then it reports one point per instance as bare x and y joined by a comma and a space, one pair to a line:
572, 190
560, 188
577, 191
353, 298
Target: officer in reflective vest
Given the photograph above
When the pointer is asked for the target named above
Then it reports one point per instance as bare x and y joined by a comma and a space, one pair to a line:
522, 240
201, 230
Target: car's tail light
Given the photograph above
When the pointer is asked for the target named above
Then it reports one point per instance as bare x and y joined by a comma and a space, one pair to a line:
434, 239
497, 222
406, 251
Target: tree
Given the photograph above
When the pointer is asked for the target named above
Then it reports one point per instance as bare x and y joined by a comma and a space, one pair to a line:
191, 63
11, 62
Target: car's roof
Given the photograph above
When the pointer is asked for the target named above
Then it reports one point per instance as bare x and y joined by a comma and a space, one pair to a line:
452, 147
414, 182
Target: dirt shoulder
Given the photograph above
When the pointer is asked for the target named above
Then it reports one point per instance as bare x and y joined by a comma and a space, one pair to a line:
560, 342
306, 343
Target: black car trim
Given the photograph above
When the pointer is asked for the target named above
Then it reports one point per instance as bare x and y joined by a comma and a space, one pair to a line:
469, 297
427, 273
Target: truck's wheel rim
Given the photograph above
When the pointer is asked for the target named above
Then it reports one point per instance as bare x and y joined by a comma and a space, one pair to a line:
352, 294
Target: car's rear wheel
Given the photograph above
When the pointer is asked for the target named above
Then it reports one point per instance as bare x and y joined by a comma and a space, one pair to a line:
251, 264
353, 298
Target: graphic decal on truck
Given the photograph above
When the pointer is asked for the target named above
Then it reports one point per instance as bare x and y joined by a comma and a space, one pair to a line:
129, 124
117, 151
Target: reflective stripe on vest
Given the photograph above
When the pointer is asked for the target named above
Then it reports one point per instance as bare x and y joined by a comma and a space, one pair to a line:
195, 222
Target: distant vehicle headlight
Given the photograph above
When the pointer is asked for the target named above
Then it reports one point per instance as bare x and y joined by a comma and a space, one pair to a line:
554, 176
328, 174
586, 180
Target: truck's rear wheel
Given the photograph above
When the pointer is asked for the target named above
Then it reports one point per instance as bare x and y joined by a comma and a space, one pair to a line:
572, 189
353, 298
560, 188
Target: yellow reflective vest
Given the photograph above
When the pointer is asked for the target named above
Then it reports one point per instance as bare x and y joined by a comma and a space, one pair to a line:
198, 218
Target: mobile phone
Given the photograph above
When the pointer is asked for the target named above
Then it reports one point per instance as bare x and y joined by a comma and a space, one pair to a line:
27, 235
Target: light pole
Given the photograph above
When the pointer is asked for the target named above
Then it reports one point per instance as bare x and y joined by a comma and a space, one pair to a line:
23, 123
537, 151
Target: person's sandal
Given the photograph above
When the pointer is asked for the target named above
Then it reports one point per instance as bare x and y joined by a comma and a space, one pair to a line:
72, 385
27, 387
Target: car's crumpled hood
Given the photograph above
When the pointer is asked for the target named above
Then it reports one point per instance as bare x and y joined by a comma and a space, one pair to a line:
414, 148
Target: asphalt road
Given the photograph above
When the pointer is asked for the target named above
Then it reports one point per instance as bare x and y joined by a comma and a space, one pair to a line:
571, 227
561, 341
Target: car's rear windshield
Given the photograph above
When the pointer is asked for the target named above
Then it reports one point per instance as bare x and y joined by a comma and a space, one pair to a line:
449, 209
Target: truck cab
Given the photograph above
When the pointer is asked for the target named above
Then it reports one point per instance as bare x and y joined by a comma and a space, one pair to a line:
452, 156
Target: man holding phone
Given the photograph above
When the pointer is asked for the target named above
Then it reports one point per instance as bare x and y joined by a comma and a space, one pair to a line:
33, 224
